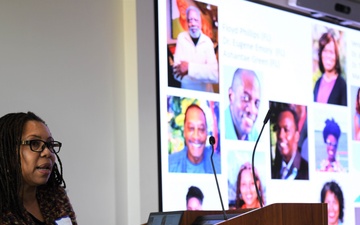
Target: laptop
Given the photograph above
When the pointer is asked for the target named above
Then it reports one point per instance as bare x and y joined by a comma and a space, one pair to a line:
212, 219
165, 218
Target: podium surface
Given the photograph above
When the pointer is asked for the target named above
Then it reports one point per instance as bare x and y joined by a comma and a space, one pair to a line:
273, 214
283, 214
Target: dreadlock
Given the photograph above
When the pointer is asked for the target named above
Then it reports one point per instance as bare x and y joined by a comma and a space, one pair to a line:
11, 129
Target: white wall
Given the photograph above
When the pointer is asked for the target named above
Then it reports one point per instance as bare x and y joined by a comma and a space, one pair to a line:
87, 67
56, 59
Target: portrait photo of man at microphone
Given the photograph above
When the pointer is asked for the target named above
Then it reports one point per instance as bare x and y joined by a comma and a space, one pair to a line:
289, 162
195, 154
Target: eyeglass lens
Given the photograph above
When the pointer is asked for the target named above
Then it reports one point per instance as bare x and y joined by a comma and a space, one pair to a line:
39, 145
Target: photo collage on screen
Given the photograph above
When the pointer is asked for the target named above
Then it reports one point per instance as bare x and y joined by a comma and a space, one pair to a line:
226, 67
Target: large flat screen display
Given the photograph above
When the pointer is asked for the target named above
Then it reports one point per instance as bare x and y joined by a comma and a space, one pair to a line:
222, 64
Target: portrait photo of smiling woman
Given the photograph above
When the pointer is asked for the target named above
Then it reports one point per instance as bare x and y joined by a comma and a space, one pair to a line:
331, 135
332, 195
330, 87
331, 140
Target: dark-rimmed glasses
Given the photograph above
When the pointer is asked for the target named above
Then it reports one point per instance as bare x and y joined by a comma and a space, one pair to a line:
40, 145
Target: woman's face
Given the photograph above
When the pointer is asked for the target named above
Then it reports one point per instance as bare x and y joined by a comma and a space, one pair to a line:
333, 207
328, 56
331, 146
36, 166
194, 204
247, 189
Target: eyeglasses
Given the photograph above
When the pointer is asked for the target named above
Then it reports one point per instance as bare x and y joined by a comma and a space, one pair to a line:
331, 143
39, 145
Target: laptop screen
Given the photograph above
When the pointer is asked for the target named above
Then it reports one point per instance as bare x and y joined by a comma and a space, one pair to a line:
165, 218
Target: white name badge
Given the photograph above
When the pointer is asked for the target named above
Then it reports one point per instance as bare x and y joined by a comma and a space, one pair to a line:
63, 221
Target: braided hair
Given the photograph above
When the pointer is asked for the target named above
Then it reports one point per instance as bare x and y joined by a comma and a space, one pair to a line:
11, 129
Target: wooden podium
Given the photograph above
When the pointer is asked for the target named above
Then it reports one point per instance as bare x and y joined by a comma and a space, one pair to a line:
274, 214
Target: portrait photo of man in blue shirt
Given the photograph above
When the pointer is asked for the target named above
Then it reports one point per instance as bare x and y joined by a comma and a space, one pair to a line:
196, 155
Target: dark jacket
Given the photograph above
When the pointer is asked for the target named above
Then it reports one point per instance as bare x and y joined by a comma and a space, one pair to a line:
338, 95
299, 163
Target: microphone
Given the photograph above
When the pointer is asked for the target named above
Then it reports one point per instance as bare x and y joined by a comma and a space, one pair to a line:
267, 117
212, 142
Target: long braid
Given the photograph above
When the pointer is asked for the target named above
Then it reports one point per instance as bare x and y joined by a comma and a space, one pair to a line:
59, 176
56, 178
11, 127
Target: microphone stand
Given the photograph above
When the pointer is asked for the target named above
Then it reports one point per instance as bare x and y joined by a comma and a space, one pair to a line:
267, 117
212, 142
